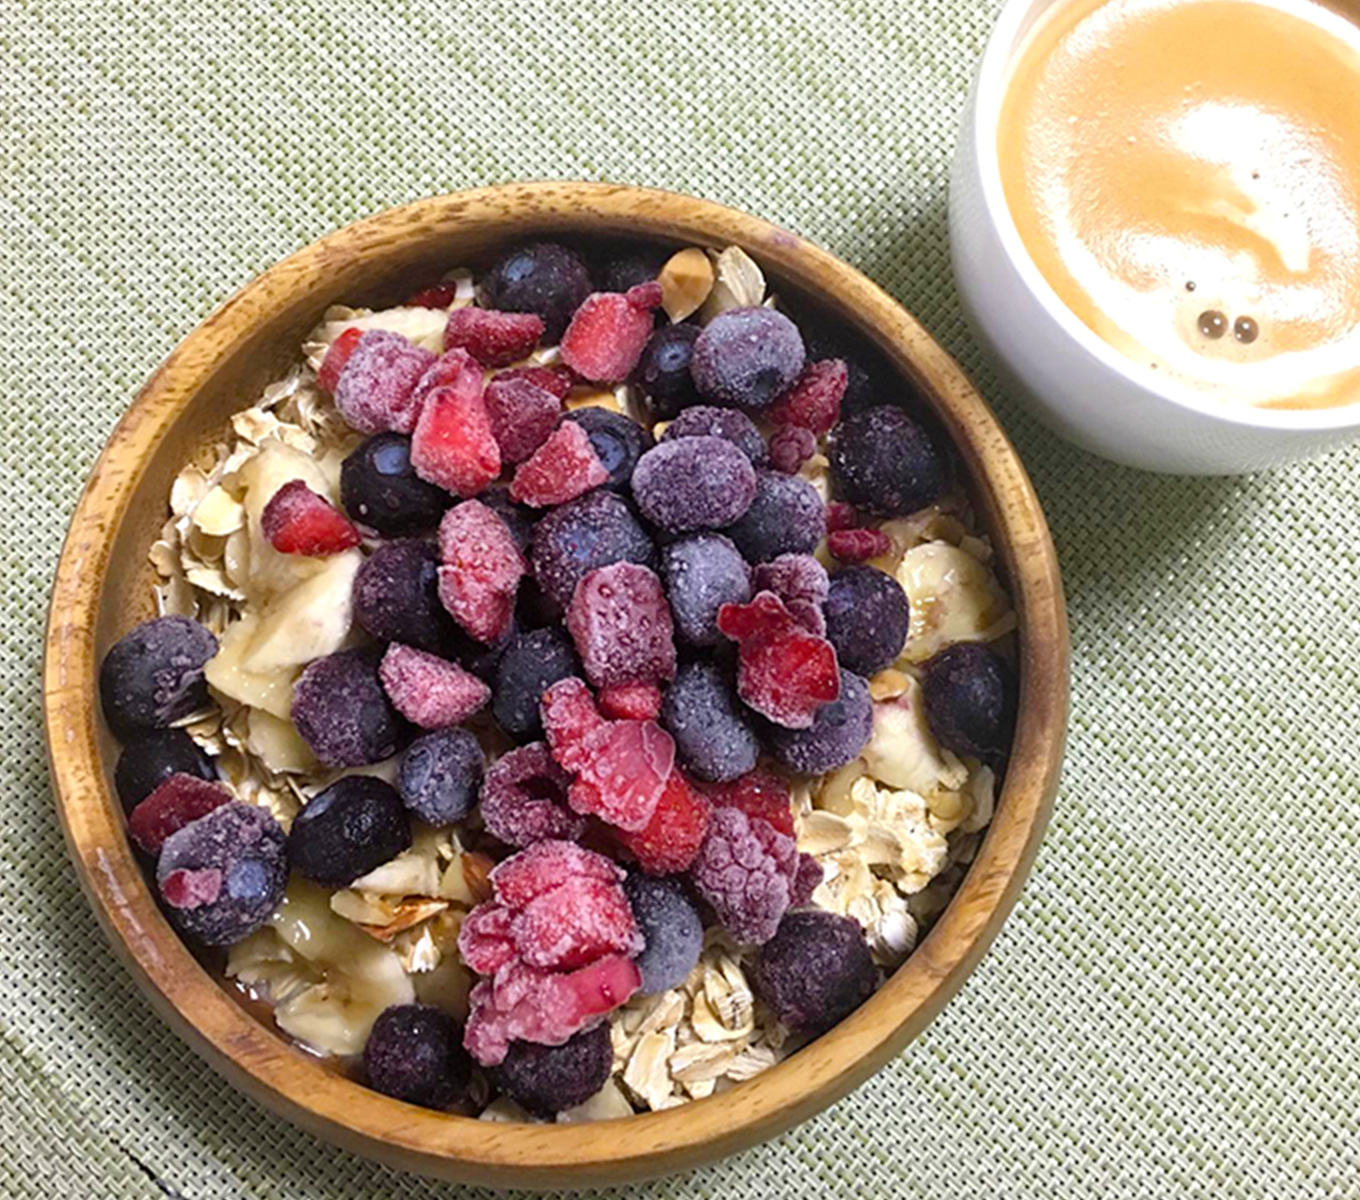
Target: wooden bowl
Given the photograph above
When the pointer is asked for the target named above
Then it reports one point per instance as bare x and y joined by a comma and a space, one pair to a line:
102, 589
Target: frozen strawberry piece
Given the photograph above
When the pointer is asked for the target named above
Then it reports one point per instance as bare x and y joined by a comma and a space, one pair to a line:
430, 691
338, 354
814, 401
191, 887
439, 295
668, 842
554, 379
746, 870
454, 368
841, 515
858, 545
607, 335
790, 448
575, 923
522, 416
453, 446
801, 582
784, 672
562, 468
624, 773
604, 985
569, 716
494, 339
759, 795
373, 392
481, 570
622, 627
631, 701
485, 939
517, 880
180, 799
298, 521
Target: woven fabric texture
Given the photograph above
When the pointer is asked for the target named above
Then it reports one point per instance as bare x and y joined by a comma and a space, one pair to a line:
1174, 1008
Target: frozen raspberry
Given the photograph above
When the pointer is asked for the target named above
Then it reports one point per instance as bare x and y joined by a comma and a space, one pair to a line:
622, 627
176, 802
522, 416
524, 799
494, 339
726, 423
441, 774
543, 866
970, 701
481, 570
569, 717
486, 941
608, 332
801, 582
625, 768
694, 483
437, 295
150, 758
786, 516
745, 870
594, 531
345, 831
840, 515
575, 923
373, 392
790, 448
453, 445
662, 374
869, 378
546, 1080
885, 463
867, 617
531, 664
543, 278
430, 691
703, 572
839, 731
714, 738
341, 711
784, 672
414, 1052
858, 545
667, 844
746, 357
222, 875
298, 521
562, 468
557, 380
619, 442
396, 597
758, 794
337, 356
806, 881
815, 971
153, 675
814, 401
631, 701
672, 931
380, 489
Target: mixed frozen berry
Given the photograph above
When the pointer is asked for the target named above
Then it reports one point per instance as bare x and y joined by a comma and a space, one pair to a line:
150, 758
415, 1053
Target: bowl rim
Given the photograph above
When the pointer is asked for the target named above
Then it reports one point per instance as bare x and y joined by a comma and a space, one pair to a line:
262, 1062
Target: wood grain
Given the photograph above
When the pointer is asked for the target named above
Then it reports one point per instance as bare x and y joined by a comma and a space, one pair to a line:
102, 588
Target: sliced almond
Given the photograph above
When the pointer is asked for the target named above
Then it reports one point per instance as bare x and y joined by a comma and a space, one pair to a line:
686, 280
407, 914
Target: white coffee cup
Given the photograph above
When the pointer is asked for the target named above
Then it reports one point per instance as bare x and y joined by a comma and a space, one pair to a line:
1073, 380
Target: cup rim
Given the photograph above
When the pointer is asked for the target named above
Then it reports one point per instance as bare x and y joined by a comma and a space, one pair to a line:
984, 118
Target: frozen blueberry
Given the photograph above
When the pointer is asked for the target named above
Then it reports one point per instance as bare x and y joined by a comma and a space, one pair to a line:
787, 516
726, 423
672, 931
581, 535
441, 773
153, 675
543, 278
396, 597
343, 832
885, 463
531, 664
714, 740
693, 483
415, 1053
379, 488
545, 1080
702, 573
866, 619
815, 971
517, 517
222, 875
150, 759
618, 441
342, 712
746, 356
837, 734
970, 701
663, 375
629, 266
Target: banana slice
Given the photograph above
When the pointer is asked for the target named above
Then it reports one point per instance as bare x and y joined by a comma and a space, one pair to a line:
269, 691
953, 598
309, 621
277, 744
902, 752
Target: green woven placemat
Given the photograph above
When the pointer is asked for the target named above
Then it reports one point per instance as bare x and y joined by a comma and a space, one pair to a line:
1173, 1010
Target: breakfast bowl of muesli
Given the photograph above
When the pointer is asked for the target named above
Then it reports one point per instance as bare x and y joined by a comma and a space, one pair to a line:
548, 657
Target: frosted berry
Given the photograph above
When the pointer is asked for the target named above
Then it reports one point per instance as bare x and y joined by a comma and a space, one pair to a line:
494, 339
374, 391
594, 531
702, 573
562, 468
618, 441
858, 545
759, 795
745, 871
570, 715
381, 490
621, 624
790, 448
839, 731
786, 516
726, 423
885, 463
518, 519
746, 357
631, 701
555, 379
807, 880
342, 712
152, 757
437, 295
531, 664
663, 375
815, 971
176, 802
869, 379
414, 1053
814, 401
631, 266
623, 773
524, 799
153, 675
714, 740
298, 521
453, 445
441, 774
867, 616
608, 332
536, 871
784, 672
345, 831
523, 416
481, 570
222, 875
840, 515
667, 844
430, 691
337, 356
543, 278
801, 582
546, 1080
396, 597
970, 701
575, 923
672, 931
694, 483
